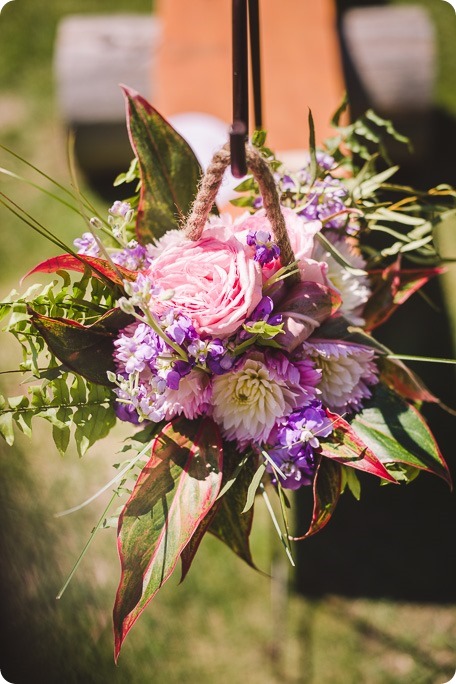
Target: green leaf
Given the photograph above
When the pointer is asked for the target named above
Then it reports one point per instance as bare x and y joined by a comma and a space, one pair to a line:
230, 524
253, 487
313, 167
351, 482
6, 427
168, 167
174, 492
404, 381
94, 419
338, 256
61, 437
397, 433
327, 487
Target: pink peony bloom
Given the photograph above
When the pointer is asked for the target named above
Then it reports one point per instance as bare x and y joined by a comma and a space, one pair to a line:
213, 281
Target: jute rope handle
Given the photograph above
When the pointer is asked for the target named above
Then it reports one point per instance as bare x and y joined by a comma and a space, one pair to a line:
210, 185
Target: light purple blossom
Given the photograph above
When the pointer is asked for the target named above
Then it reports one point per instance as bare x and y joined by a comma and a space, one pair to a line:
120, 209
134, 258
87, 245
324, 199
265, 249
136, 347
293, 445
211, 354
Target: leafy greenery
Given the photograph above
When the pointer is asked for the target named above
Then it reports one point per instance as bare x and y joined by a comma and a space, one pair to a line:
69, 402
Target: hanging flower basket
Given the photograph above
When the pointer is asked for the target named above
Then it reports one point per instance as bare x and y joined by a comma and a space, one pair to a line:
240, 350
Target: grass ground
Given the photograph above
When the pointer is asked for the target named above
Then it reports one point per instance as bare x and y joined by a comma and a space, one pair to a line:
226, 623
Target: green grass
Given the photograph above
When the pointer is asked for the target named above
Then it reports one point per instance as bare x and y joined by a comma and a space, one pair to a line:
226, 623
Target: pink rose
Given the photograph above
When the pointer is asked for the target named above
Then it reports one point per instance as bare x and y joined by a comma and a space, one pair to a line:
214, 281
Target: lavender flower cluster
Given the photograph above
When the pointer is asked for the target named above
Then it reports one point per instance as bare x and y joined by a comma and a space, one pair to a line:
322, 198
127, 253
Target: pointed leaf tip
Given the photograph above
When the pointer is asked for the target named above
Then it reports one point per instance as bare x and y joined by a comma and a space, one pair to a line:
168, 167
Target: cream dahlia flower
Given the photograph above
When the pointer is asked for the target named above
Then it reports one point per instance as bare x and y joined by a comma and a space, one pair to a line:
247, 402
354, 290
348, 371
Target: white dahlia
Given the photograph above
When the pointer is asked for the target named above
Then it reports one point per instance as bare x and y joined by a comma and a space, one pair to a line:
248, 401
348, 371
354, 290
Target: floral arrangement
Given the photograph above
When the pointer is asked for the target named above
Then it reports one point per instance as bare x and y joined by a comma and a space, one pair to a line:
240, 350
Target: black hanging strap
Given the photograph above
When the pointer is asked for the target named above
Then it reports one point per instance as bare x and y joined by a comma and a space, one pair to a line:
255, 60
239, 129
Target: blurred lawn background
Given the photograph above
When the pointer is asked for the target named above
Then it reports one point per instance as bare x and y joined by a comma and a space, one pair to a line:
226, 623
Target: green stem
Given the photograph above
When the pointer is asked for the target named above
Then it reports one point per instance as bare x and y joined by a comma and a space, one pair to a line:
425, 359
151, 322
276, 524
109, 484
86, 547
45, 407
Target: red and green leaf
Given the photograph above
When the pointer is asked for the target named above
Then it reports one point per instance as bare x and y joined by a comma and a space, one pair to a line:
347, 448
404, 381
100, 268
226, 520
86, 350
397, 433
303, 309
168, 168
173, 494
391, 288
230, 524
326, 490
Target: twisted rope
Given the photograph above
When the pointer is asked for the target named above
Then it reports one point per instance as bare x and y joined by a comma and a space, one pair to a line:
210, 185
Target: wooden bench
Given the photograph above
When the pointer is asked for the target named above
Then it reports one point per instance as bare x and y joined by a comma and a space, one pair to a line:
93, 54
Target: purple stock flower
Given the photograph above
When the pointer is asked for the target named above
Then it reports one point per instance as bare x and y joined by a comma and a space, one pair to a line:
120, 209
262, 312
324, 199
126, 411
137, 347
294, 442
87, 245
135, 258
179, 327
265, 249
325, 161
176, 372
211, 354
288, 183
